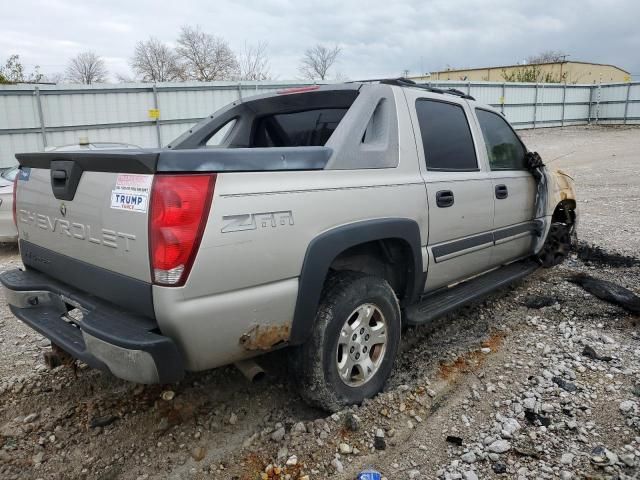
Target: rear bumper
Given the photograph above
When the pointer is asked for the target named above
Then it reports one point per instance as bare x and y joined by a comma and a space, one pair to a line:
105, 337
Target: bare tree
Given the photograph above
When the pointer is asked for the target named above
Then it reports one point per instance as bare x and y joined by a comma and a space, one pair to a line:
153, 61
317, 61
205, 56
254, 62
86, 68
548, 56
13, 71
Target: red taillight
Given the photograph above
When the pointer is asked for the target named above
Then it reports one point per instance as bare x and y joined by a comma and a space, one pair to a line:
179, 209
15, 187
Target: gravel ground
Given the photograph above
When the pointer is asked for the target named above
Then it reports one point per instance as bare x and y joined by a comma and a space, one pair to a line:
502, 389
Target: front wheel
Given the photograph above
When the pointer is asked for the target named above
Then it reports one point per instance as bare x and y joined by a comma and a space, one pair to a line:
557, 245
350, 352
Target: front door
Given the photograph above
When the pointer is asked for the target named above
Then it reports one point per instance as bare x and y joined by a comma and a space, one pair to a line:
458, 189
514, 189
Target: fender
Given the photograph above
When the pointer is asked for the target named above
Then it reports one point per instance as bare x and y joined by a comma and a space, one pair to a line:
326, 247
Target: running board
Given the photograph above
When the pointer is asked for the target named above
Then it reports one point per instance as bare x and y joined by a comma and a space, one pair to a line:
446, 300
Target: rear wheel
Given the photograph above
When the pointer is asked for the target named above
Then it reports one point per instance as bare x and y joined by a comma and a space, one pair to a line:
353, 345
557, 246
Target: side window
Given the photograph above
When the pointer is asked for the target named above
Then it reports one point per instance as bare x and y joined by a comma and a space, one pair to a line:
504, 148
446, 137
217, 138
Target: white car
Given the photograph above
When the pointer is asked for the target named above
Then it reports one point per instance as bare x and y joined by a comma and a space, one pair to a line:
8, 232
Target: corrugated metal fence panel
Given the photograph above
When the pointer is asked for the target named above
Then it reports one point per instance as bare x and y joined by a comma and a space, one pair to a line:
120, 113
611, 93
517, 94
193, 104
18, 111
550, 94
171, 131
576, 112
489, 94
633, 111
144, 136
578, 94
13, 143
548, 114
611, 110
518, 114
95, 108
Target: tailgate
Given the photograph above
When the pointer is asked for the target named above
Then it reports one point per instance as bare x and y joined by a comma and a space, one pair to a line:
97, 217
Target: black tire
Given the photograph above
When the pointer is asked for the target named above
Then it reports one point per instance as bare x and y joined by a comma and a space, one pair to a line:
315, 362
557, 245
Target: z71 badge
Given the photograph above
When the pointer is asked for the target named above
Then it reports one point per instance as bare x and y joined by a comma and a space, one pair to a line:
251, 221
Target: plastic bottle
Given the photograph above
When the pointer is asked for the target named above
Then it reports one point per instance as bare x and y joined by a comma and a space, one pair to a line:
369, 475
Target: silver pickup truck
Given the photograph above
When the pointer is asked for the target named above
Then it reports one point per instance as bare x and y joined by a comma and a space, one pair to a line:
321, 218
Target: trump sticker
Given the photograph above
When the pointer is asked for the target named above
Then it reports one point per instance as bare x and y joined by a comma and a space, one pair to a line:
131, 193
123, 200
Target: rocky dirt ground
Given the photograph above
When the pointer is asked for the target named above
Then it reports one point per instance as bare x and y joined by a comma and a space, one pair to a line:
539, 381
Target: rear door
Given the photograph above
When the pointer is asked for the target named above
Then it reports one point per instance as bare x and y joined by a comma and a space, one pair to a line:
458, 188
514, 188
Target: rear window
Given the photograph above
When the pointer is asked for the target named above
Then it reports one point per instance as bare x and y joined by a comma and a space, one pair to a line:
221, 134
285, 119
308, 128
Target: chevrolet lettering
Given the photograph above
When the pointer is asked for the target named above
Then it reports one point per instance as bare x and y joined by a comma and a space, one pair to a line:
100, 236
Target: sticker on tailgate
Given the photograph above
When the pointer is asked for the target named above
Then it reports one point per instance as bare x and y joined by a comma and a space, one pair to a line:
131, 192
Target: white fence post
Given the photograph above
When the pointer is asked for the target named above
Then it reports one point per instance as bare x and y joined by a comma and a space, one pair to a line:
626, 104
590, 102
43, 128
598, 102
535, 106
156, 105
564, 99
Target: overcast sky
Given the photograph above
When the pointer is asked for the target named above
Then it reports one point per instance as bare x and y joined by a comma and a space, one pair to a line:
378, 37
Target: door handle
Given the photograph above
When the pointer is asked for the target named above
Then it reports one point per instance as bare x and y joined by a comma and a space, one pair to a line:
501, 192
444, 198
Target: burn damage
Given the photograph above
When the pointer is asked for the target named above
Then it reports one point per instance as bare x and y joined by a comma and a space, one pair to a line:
265, 337
608, 291
564, 185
